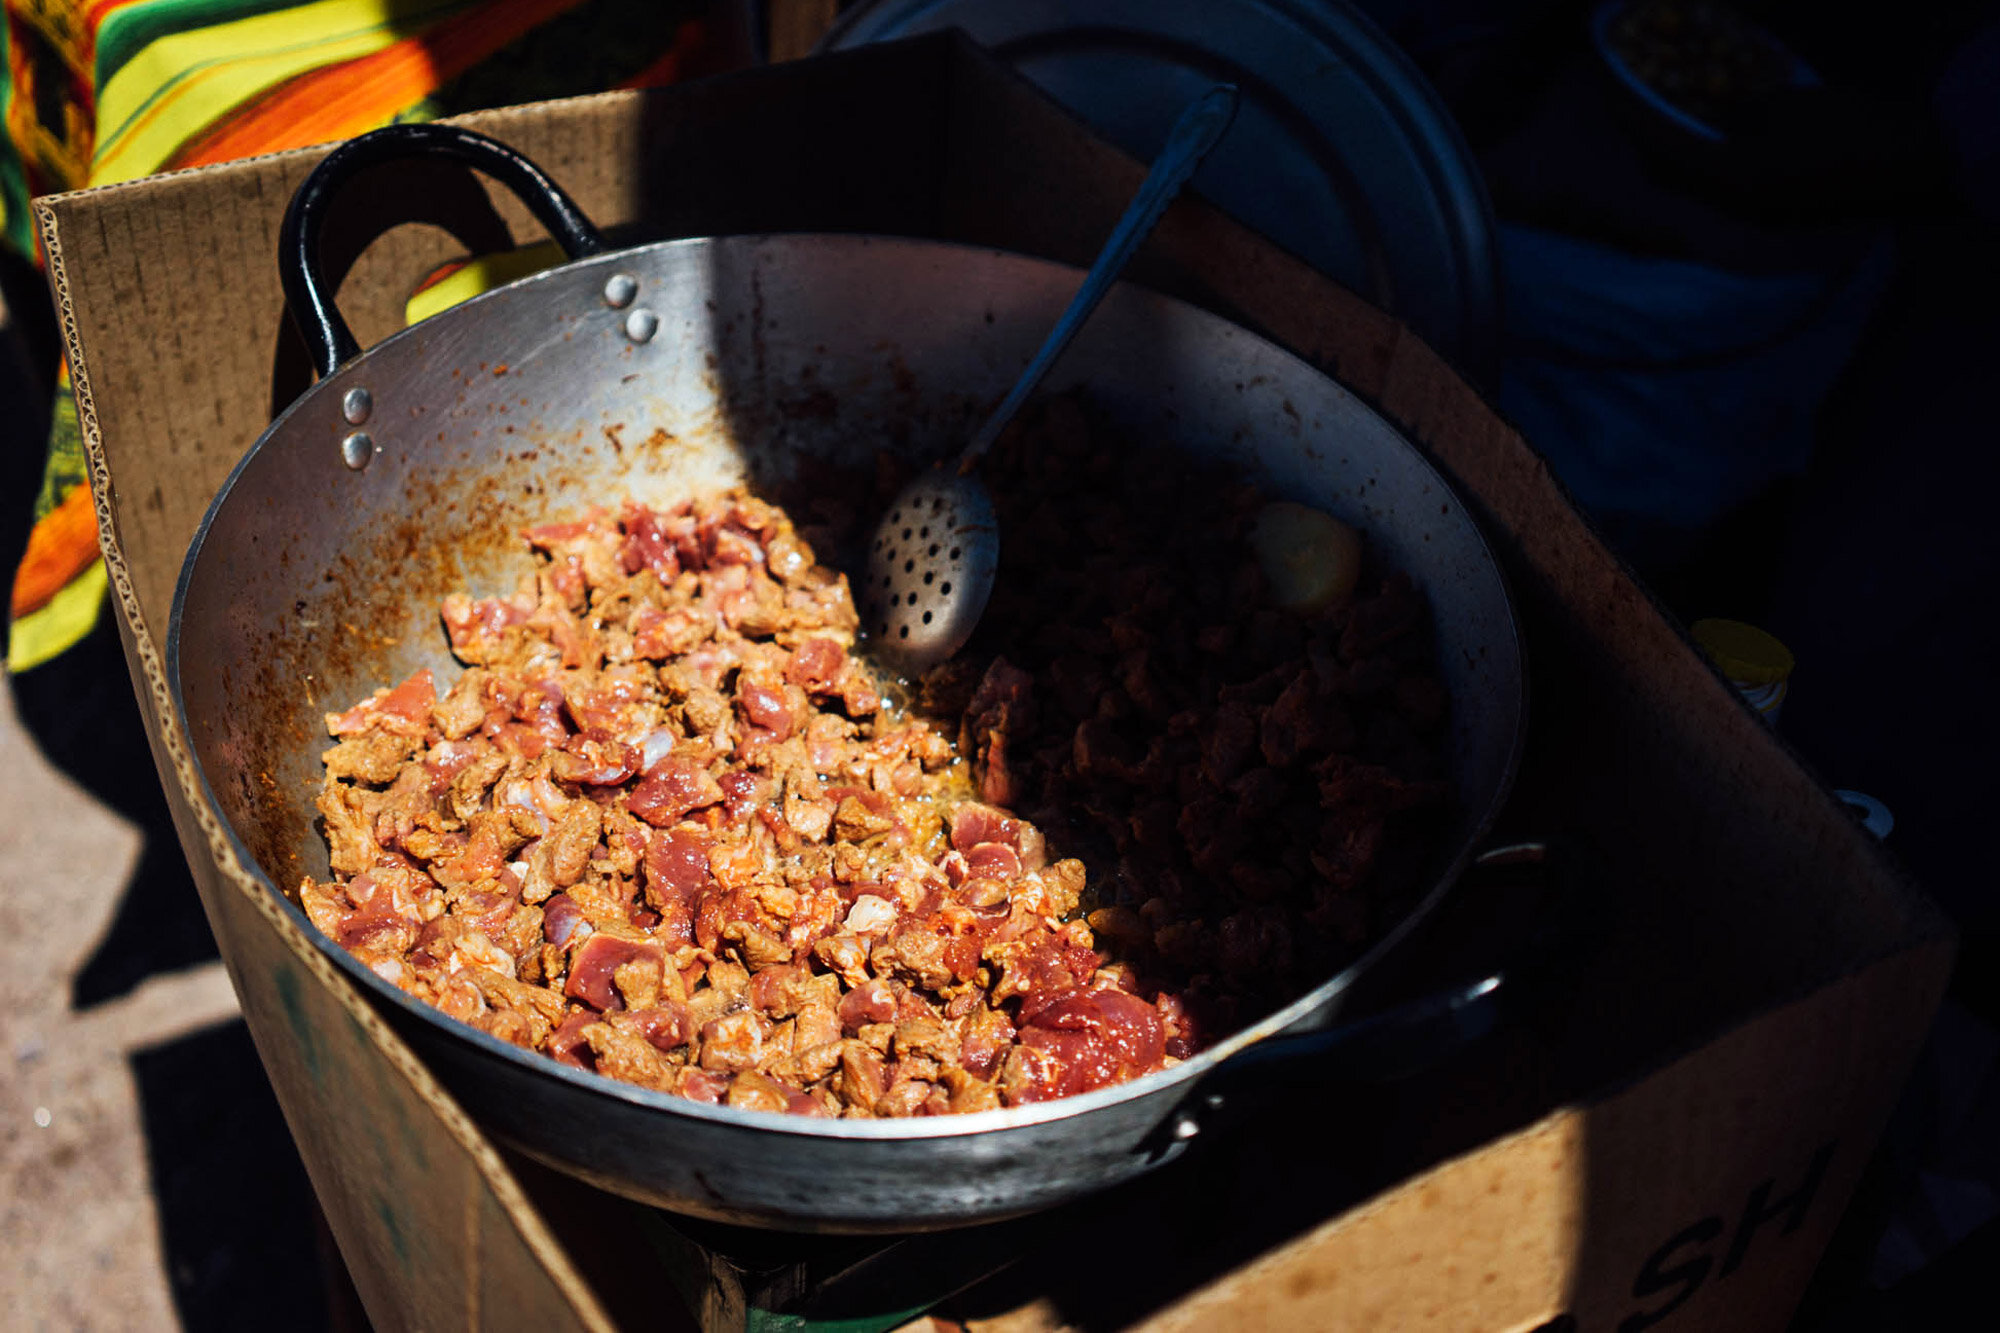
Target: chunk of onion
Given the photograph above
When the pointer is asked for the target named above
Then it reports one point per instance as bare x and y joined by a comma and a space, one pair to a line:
871, 914
1310, 558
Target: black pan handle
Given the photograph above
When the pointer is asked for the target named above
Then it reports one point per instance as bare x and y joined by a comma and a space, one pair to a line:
328, 340
1425, 1032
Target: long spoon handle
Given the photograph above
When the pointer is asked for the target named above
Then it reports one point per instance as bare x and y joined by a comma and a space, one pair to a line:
1197, 131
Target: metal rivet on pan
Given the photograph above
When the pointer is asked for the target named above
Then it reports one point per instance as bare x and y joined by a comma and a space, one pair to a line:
356, 405
357, 449
619, 289
641, 325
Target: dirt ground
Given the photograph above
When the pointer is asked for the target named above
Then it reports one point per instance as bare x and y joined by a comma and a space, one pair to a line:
146, 1177
73, 1121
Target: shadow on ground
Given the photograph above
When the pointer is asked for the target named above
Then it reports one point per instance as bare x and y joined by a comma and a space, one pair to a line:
236, 1212
84, 717
238, 1224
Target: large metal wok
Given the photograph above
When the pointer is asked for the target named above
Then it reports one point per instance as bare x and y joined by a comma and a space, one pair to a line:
682, 366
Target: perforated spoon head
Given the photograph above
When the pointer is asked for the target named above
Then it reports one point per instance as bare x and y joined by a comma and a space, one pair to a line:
930, 569
932, 563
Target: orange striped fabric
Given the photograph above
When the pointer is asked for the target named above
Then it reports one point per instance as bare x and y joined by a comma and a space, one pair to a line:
193, 82
343, 100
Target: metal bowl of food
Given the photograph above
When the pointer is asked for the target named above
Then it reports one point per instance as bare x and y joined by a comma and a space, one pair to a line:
689, 390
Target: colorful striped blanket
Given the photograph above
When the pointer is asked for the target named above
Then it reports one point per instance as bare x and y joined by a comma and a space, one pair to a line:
100, 91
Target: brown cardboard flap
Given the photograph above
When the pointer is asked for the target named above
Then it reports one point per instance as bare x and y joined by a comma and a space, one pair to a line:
1700, 1196
433, 1228
1759, 992
1740, 1194
1377, 1267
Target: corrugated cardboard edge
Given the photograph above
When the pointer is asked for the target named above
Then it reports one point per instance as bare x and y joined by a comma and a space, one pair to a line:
171, 746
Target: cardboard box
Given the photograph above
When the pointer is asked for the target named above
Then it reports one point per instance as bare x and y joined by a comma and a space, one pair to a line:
1666, 1143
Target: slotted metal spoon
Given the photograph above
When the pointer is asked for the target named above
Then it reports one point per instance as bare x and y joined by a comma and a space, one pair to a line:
934, 556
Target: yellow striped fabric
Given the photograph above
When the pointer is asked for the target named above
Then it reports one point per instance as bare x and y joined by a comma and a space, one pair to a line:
96, 92
179, 85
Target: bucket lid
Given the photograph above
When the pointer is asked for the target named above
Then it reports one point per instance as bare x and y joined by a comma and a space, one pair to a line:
1743, 652
1341, 151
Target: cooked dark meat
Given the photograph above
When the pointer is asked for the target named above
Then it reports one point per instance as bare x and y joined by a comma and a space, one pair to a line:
665, 825
1228, 771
